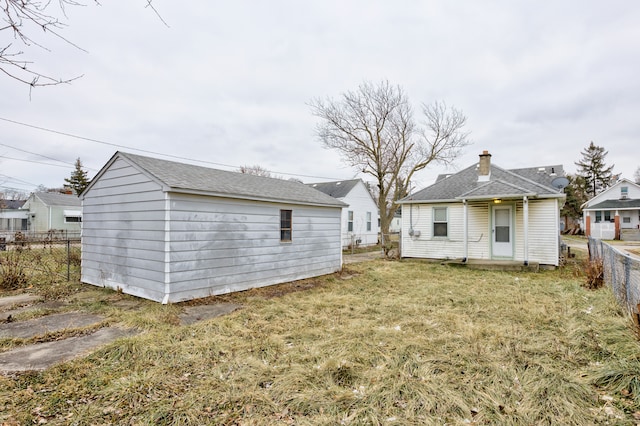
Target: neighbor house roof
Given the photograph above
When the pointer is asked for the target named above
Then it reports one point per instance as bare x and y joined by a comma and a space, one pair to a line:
11, 204
501, 183
181, 177
337, 189
58, 199
615, 204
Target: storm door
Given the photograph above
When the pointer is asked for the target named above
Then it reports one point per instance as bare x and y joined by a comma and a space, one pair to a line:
502, 240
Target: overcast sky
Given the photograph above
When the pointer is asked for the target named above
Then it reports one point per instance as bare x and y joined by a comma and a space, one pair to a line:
229, 82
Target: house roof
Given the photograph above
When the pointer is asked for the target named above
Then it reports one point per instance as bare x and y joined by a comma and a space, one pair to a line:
337, 189
58, 199
613, 191
532, 182
616, 204
188, 178
11, 204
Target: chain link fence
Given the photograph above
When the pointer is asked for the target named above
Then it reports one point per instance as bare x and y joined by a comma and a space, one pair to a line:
621, 273
30, 261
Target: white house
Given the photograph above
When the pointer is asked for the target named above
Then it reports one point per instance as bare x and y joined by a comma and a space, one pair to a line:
12, 218
54, 211
360, 218
614, 214
486, 212
169, 232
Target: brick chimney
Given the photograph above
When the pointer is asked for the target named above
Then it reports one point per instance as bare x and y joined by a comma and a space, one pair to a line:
484, 166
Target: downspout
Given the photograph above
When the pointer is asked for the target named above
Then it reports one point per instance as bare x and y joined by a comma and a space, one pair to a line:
525, 204
465, 226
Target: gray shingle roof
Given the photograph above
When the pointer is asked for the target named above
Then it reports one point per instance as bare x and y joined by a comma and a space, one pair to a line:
11, 204
502, 184
337, 189
616, 204
58, 199
181, 177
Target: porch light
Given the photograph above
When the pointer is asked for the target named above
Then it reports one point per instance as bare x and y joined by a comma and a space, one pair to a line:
497, 201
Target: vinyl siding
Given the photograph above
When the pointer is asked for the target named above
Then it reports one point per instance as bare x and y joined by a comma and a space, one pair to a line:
123, 233
360, 202
170, 247
230, 245
542, 236
544, 231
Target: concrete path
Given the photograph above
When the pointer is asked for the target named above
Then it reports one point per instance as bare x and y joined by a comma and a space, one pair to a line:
40, 356
48, 324
622, 246
44, 355
193, 314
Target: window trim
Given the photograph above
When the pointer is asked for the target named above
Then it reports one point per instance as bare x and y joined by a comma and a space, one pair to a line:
440, 222
284, 229
349, 220
624, 192
368, 221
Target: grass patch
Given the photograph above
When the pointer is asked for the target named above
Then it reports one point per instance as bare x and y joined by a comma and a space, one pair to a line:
387, 343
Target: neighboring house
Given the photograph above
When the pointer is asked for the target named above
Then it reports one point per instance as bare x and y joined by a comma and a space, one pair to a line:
486, 212
396, 223
614, 214
169, 232
54, 211
12, 218
360, 218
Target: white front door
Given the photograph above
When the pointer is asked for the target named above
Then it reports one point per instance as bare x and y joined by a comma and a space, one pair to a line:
502, 232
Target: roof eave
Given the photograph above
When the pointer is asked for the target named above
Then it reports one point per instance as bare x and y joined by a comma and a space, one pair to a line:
337, 204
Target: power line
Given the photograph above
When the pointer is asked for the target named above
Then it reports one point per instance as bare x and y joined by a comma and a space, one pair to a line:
44, 129
20, 181
39, 155
33, 161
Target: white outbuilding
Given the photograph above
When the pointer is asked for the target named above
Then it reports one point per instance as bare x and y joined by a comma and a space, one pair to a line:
170, 231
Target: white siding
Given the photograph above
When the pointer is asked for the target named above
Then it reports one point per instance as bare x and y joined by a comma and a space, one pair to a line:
224, 245
360, 202
123, 233
614, 192
543, 231
171, 247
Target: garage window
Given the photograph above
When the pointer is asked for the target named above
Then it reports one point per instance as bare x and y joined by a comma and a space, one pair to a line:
285, 225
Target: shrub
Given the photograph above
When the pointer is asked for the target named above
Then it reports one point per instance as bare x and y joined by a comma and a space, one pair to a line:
594, 273
12, 271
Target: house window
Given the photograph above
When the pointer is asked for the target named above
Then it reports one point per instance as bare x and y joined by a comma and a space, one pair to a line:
350, 221
626, 219
624, 192
440, 224
72, 219
368, 221
598, 216
607, 216
285, 225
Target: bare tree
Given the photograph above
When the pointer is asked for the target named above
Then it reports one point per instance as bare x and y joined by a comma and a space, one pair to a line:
255, 170
374, 130
636, 175
19, 19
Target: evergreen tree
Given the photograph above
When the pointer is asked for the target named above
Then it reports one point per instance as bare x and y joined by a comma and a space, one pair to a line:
78, 180
592, 168
576, 196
